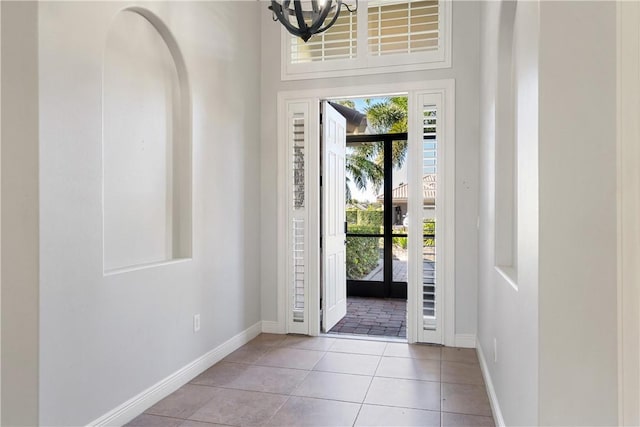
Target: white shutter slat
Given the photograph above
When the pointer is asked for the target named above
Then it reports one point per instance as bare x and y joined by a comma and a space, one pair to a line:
403, 27
298, 226
429, 150
338, 42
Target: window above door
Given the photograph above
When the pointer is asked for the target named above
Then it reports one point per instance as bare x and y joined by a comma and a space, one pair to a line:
382, 36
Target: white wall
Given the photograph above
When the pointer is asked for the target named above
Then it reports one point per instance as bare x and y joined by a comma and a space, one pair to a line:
19, 214
507, 315
578, 304
108, 338
142, 86
556, 334
465, 70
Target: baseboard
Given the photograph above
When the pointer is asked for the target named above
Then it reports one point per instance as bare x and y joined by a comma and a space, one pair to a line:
270, 327
493, 398
138, 404
466, 340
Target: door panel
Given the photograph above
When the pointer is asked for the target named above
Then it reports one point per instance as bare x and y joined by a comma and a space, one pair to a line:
333, 216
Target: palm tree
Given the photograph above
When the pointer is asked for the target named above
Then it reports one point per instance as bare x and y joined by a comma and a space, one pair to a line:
362, 171
365, 163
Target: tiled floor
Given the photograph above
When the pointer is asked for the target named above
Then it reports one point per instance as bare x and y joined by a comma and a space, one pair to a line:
281, 380
374, 316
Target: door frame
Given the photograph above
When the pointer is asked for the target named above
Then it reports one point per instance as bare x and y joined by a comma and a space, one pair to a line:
628, 211
389, 288
446, 89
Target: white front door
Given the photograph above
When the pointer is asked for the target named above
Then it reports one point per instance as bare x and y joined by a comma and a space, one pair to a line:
334, 295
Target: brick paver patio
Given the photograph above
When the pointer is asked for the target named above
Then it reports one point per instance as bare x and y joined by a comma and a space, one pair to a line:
374, 317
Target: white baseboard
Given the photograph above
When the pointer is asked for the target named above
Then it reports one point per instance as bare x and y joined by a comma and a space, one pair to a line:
493, 398
465, 340
138, 404
270, 327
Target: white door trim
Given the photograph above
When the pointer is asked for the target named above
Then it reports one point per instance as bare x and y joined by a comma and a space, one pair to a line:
628, 206
313, 96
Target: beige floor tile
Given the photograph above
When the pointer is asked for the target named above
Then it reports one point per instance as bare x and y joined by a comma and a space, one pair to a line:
344, 363
221, 374
415, 351
304, 411
266, 340
374, 415
329, 385
255, 378
246, 355
239, 407
147, 420
411, 369
461, 373
463, 355
465, 399
404, 393
459, 420
308, 343
358, 347
183, 402
191, 423
290, 358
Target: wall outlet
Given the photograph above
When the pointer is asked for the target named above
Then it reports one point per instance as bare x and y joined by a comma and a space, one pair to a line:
495, 350
196, 322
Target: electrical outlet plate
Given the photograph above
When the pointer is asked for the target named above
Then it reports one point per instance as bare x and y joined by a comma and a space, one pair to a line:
196, 322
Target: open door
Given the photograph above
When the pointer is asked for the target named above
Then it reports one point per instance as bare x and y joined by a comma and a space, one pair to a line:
334, 278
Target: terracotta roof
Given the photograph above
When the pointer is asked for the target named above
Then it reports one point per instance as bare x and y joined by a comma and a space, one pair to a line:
400, 193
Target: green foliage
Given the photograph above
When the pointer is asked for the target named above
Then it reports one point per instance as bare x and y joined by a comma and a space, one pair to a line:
362, 252
371, 217
364, 164
400, 242
362, 171
347, 103
429, 227
389, 115
352, 216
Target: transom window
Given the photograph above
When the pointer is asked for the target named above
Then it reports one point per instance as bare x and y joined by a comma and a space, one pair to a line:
402, 27
382, 36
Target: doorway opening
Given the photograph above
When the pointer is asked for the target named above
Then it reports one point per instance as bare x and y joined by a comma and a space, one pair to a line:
376, 221
312, 217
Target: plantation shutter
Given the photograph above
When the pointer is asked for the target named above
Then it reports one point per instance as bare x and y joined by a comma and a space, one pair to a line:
298, 271
403, 27
429, 183
338, 42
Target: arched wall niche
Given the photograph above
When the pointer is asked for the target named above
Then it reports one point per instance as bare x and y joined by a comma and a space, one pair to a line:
506, 180
146, 145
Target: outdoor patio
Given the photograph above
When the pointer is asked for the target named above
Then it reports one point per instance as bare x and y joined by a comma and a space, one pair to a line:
374, 317
399, 271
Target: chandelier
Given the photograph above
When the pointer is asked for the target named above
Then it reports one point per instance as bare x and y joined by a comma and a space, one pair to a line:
306, 18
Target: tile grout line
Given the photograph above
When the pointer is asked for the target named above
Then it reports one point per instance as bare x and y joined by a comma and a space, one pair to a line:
441, 388
365, 396
278, 410
369, 387
324, 353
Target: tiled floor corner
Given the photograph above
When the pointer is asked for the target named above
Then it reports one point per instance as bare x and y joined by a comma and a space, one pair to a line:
282, 380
